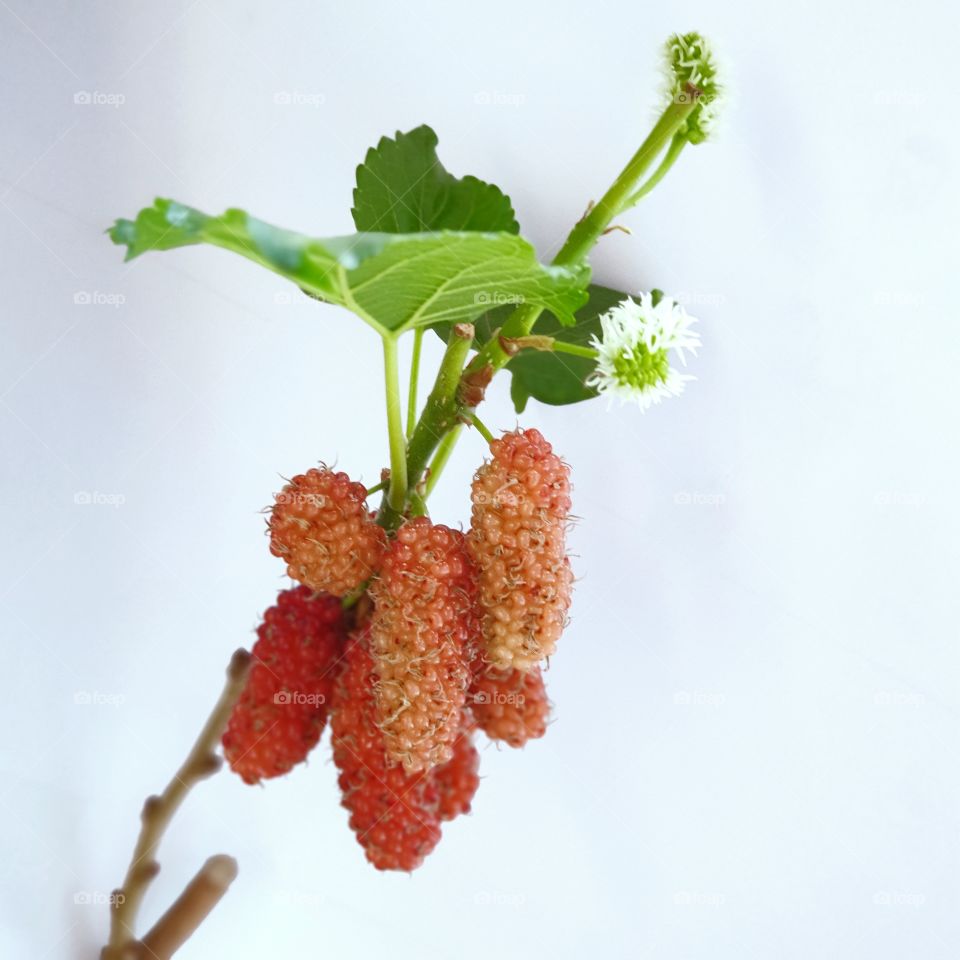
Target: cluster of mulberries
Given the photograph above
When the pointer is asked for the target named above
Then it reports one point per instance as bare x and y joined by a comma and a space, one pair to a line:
410, 643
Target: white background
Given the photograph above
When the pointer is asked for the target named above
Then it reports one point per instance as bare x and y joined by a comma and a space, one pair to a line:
755, 745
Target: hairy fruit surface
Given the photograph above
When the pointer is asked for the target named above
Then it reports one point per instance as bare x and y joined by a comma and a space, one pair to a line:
424, 619
319, 525
283, 707
394, 815
521, 506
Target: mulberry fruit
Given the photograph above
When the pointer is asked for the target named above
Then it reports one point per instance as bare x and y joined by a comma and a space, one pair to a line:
283, 707
456, 782
393, 814
424, 618
320, 526
521, 504
509, 705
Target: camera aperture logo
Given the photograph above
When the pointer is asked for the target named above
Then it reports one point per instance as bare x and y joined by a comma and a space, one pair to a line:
298, 698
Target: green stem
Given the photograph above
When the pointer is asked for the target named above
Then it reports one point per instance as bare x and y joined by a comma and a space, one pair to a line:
397, 493
586, 233
440, 414
677, 144
414, 377
591, 227
561, 346
480, 427
441, 457
438, 419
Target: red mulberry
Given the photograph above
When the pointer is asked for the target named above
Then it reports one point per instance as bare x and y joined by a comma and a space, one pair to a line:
283, 708
393, 814
509, 705
521, 504
320, 526
456, 782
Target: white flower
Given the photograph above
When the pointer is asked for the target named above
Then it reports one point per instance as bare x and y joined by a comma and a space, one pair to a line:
689, 62
633, 360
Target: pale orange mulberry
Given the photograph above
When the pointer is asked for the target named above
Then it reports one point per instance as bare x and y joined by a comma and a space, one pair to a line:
510, 706
321, 527
424, 618
521, 507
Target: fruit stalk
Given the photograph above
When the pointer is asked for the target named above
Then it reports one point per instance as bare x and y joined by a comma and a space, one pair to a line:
440, 415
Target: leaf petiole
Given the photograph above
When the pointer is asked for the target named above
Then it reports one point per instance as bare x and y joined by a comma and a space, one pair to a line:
414, 377
397, 491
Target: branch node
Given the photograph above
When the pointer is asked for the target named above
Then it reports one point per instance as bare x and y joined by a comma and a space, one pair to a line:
473, 386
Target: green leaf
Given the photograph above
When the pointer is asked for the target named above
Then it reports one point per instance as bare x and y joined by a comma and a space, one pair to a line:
403, 188
392, 281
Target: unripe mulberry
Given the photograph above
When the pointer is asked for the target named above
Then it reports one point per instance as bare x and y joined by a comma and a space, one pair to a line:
424, 617
283, 707
456, 781
393, 814
320, 526
509, 705
521, 504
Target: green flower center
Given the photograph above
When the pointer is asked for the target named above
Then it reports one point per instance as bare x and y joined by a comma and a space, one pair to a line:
641, 368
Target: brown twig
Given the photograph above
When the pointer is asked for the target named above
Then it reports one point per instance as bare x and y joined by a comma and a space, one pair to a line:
190, 909
158, 811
